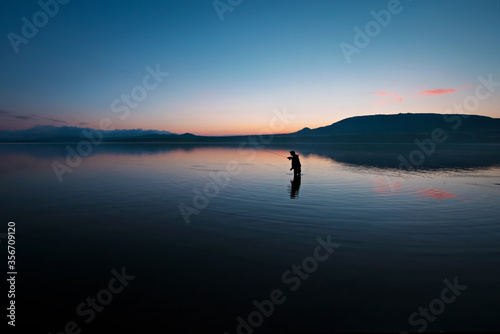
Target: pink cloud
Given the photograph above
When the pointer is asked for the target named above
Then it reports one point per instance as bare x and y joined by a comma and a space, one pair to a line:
393, 97
440, 91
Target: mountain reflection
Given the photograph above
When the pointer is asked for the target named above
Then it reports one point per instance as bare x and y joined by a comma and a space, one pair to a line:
447, 156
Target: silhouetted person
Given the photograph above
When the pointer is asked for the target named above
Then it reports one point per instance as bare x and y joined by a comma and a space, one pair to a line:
294, 190
295, 163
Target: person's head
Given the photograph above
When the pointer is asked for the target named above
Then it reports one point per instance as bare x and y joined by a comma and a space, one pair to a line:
292, 153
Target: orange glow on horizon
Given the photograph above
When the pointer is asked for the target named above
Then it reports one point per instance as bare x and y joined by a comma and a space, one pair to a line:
238, 127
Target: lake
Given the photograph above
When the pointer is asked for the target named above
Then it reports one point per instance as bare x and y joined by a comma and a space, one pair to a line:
216, 239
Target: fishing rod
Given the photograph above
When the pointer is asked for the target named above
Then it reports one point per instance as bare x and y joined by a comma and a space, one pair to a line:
275, 153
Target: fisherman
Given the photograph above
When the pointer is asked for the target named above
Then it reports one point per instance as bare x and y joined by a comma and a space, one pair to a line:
295, 163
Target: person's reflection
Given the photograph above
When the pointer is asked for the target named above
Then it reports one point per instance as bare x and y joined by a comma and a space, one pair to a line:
295, 185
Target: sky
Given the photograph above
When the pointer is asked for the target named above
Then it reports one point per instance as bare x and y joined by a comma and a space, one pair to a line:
226, 67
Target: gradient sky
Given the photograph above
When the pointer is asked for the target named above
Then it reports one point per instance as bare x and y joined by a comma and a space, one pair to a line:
227, 77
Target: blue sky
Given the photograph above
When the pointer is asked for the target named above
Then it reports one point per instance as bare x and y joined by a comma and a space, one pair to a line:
226, 77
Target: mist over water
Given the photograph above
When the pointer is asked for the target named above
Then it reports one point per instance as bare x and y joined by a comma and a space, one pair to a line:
401, 234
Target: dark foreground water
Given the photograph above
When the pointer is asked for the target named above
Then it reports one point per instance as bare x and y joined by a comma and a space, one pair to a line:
215, 239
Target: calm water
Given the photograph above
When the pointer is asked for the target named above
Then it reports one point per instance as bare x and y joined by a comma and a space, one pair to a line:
401, 234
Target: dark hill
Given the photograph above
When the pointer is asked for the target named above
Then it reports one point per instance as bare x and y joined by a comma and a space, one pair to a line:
405, 124
405, 127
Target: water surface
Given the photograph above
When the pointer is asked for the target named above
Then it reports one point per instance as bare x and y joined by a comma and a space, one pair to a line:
401, 234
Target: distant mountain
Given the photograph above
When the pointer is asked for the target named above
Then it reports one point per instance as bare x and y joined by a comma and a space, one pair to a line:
70, 133
405, 127
400, 128
159, 138
404, 124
